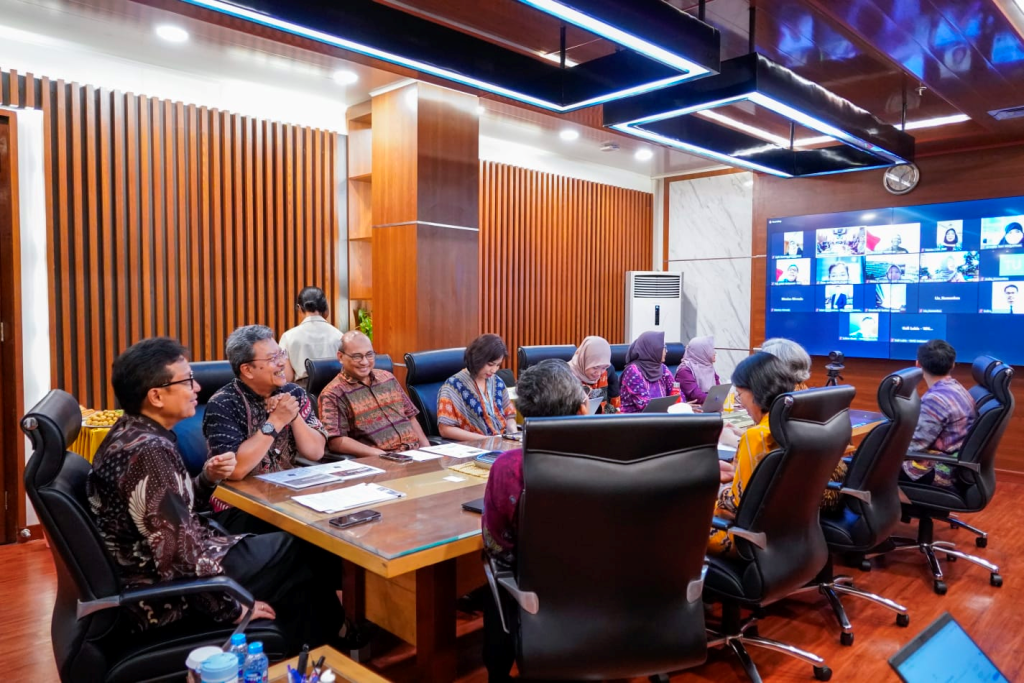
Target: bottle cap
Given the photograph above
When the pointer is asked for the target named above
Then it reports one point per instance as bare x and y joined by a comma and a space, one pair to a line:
238, 639
256, 648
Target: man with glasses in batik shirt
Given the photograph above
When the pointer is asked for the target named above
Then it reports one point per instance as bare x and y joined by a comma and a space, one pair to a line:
365, 410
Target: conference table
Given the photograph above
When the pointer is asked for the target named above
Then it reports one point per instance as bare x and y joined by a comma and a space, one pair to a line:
405, 571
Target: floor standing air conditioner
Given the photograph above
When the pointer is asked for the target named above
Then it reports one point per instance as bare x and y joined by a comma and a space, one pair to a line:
654, 301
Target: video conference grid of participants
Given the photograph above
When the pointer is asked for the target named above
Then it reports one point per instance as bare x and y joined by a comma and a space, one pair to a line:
876, 284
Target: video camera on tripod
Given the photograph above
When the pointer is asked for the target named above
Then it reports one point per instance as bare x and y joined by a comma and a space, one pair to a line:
834, 367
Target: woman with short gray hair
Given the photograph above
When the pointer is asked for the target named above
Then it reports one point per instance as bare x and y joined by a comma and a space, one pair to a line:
794, 356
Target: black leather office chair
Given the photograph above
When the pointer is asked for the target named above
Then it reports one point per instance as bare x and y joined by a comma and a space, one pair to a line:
622, 599
321, 371
531, 355
674, 355
507, 376
618, 359
779, 540
91, 640
974, 467
981, 372
427, 371
871, 504
211, 375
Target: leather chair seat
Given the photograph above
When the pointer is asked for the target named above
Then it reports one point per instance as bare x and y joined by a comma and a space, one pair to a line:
940, 499
733, 578
846, 531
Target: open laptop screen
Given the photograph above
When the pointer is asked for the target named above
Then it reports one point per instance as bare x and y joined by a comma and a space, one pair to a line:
944, 653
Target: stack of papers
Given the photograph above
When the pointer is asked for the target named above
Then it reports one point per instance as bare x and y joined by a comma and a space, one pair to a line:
318, 475
347, 498
420, 456
455, 450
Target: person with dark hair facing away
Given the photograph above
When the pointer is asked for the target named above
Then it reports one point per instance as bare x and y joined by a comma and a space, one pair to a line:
313, 337
365, 410
548, 389
758, 380
474, 402
646, 376
145, 506
947, 413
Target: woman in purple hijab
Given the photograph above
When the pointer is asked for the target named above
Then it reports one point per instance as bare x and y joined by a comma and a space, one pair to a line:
696, 374
645, 376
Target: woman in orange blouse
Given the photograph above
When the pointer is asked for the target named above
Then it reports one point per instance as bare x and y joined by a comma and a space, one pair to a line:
591, 365
474, 402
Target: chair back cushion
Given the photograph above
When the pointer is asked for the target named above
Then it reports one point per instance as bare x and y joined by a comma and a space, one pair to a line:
427, 371
613, 528
876, 465
983, 439
674, 355
211, 375
531, 355
618, 359
321, 371
812, 428
981, 372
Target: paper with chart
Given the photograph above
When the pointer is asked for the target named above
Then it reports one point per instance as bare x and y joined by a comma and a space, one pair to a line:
349, 497
455, 450
318, 475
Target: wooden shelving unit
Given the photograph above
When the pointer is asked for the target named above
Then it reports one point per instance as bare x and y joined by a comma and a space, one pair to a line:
360, 214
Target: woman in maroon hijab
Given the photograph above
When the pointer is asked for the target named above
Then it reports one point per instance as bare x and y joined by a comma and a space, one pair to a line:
645, 376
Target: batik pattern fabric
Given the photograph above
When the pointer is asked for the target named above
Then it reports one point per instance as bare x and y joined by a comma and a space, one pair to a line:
947, 413
378, 415
755, 443
500, 521
144, 504
236, 412
636, 391
460, 404
601, 385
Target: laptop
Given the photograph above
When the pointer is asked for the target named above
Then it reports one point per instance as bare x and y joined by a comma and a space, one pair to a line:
716, 398
944, 652
594, 404
661, 405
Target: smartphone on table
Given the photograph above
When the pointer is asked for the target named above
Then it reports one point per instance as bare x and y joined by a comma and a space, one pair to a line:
361, 517
396, 457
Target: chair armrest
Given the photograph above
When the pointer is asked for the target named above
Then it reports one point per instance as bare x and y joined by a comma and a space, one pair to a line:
528, 600
944, 459
758, 538
853, 493
490, 570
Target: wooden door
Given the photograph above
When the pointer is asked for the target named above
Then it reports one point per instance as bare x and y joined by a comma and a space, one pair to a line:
7, 426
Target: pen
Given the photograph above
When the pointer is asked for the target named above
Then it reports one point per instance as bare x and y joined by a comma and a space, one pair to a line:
303, 660
385, 489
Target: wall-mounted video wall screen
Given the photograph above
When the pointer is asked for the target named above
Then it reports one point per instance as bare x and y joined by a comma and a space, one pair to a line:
877, 283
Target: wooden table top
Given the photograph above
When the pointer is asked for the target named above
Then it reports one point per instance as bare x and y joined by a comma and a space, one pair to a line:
345, 668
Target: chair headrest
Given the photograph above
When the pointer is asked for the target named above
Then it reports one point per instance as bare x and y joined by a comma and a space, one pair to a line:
51, 425
529, 356
211, 375
426, 367
901, 384
999, 383
674, 353
619, 356
810, 405
981, 369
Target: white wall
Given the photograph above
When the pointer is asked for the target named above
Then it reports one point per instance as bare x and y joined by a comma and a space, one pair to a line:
710, 226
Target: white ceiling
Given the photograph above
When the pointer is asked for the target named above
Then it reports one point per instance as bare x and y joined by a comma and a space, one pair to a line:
112, 43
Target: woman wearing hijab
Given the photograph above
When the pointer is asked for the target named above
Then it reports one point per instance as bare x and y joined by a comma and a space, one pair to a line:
645, 376
590, 364
696, 374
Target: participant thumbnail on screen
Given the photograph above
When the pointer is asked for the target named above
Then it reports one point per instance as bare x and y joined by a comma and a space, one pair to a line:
1011, 265
892, 268
1006, 297
842, 270
894, 239
793, 244
1005, 231
949, 235
793, 271
841, 241
891, 297
957, 266
838, 298
864, 327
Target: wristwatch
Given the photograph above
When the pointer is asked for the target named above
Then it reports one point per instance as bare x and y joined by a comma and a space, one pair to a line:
268, 429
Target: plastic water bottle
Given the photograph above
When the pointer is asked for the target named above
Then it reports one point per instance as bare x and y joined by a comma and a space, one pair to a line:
240, 650
256, 664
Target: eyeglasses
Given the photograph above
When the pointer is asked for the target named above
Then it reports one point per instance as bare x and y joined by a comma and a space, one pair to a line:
359, 357
278, 357
190, 380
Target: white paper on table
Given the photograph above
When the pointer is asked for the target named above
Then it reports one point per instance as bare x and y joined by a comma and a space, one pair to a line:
317, 475
726, 447
346, 498
455, 450
454, 478
420, 456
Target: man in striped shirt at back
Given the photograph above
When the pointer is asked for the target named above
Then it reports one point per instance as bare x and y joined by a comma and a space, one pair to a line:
947, 413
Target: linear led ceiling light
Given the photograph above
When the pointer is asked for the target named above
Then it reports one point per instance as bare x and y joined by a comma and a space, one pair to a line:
381, 32
667, 117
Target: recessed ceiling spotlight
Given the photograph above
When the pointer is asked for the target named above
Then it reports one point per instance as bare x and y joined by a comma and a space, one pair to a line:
345, 77
172, 34
644, 155
569, 134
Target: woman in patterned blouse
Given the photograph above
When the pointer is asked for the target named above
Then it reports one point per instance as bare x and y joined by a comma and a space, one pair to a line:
646, 375
592, 366
474, 402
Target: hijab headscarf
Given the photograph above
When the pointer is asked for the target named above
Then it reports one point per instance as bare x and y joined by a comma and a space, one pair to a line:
645, 353
592, 352
697, 357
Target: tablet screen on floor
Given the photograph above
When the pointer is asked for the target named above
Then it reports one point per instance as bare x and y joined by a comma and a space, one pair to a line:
944, 653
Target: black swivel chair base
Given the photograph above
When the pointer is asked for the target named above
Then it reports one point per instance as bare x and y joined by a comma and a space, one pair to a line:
737, 633
927, 545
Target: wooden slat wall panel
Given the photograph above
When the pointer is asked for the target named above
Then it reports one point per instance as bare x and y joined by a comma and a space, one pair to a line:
554, 252
171, 219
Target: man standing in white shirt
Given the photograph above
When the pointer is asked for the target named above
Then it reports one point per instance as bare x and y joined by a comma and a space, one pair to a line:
314, 337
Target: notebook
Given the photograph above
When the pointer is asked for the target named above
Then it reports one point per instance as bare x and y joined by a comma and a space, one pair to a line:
661, 405
944, 652
595, 403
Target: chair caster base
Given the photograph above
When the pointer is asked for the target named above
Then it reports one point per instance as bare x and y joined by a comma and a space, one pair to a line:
865, 565
940, 588
822, 673
950, 558
903, 620
845, 639
996, 580
981, 542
